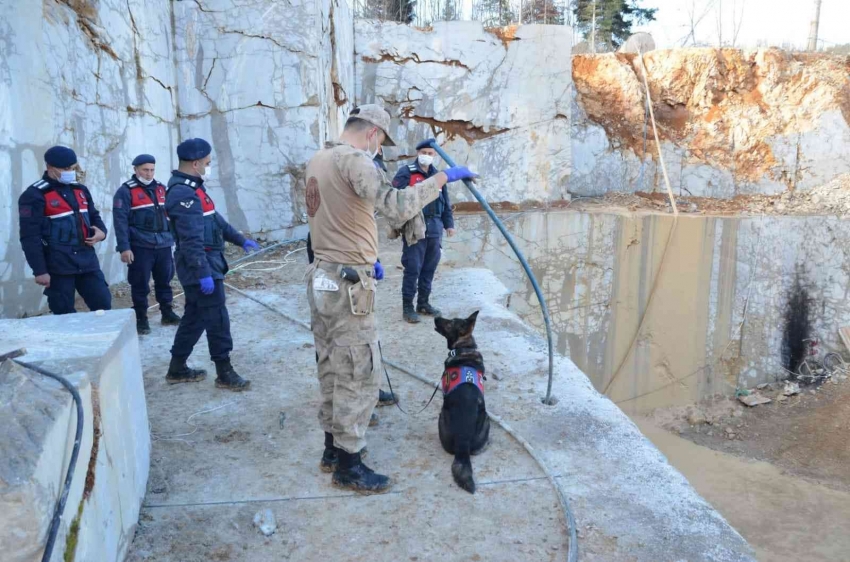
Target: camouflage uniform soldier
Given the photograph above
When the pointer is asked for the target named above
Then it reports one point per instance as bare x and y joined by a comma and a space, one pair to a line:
344, 189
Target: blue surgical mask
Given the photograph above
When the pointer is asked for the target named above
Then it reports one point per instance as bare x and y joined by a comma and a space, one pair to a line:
67, 176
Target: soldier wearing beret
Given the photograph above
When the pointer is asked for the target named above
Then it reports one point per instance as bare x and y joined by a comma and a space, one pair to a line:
421, 257
59, 227
143, 238
199, 233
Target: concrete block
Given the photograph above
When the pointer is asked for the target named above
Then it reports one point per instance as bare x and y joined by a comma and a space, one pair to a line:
115, 456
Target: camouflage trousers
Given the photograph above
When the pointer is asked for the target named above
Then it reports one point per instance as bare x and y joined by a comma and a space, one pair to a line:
349, 364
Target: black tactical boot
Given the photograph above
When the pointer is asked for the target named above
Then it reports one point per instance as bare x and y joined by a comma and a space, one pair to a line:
409, 314
168, 316
228, 378
178, 372
330, 458
142, 325
423, 307
352, 474
386, 399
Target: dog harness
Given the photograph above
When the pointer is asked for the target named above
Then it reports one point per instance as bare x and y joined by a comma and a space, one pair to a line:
453, 377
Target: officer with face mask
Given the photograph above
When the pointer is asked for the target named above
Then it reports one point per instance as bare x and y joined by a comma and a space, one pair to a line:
199, 233
59, 227
421, 257
143, 238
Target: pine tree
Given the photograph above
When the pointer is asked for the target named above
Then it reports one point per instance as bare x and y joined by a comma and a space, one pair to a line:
493, 13
614, 19
401, 11
543, 11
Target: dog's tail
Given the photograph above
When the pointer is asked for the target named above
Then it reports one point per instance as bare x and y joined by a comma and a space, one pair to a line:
462, 471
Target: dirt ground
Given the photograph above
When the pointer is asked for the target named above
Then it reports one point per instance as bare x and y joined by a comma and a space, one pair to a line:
805, 435
778, 471
832, 198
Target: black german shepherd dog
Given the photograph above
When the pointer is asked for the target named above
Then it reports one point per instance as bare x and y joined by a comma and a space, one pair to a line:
464, 426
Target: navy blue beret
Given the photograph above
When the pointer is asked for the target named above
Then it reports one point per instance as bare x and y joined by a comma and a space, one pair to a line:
60, 157
143, 159
193, 149
425, 144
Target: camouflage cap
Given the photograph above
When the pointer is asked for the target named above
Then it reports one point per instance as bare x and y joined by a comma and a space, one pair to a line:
375, 115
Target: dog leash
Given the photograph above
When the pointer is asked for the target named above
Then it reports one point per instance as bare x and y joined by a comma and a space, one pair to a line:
396, 400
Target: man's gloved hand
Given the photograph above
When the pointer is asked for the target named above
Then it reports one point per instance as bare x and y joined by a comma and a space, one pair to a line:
459, 173
379, 270
207, 285
250, 246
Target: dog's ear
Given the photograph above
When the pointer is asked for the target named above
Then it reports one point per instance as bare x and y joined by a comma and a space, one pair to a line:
469, 324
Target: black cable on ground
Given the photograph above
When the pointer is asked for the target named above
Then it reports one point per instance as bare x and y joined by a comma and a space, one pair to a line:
75, 453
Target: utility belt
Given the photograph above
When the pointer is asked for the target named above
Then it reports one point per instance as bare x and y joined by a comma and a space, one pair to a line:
357, 280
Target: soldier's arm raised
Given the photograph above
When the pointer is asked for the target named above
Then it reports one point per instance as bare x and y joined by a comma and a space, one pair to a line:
396, 204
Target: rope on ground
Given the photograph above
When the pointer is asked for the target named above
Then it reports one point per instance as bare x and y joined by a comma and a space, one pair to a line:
156, 437
572, 554
254, 255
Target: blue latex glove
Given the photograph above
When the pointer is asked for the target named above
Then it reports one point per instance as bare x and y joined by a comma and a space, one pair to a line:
459, 173
207, 285
379, 271
250, 246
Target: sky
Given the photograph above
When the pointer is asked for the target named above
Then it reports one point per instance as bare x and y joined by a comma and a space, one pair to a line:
774, 22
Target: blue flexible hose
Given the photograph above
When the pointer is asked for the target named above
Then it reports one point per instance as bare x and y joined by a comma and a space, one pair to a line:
448, 160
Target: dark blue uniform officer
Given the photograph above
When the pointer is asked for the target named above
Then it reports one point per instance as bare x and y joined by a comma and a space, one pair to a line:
420, 260
199, 233
59, 227
143, 238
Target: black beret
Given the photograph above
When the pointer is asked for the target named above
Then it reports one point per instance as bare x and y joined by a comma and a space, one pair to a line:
426, 144
60, 157
193, 149
143, 159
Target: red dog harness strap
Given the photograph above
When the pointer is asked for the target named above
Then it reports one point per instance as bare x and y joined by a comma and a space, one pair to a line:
453, 377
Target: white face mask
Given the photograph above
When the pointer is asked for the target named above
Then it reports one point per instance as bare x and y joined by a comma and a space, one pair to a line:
425, 160
373, 154
144, 181
67, 176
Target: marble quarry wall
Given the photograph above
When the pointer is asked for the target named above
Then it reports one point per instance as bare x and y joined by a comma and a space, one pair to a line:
96, 76
726, 290
485, 95
267, 82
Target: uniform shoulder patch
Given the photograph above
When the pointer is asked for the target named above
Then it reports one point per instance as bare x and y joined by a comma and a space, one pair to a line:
188, 203
314, 198
40, 184
412, 167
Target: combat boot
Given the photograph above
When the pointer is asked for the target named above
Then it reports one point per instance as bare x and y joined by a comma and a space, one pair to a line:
168, 316
228, 378
352, 474
424, 307
142, 326
409, 314
386, 398
330, 458
179, 372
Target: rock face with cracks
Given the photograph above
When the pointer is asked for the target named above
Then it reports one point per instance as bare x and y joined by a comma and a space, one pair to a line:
485, 97
730, 122
96, 76
267, 83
